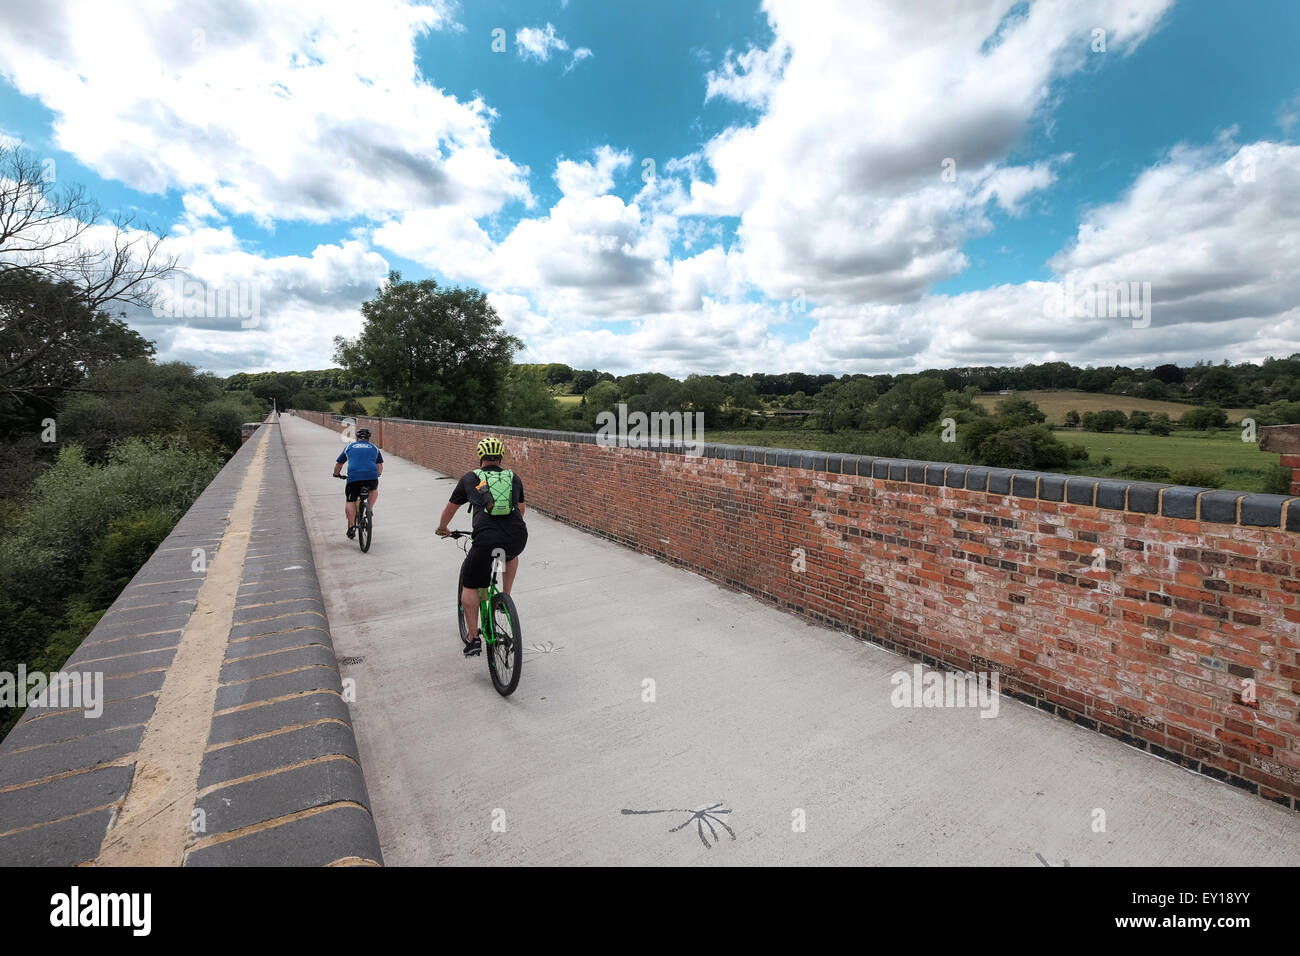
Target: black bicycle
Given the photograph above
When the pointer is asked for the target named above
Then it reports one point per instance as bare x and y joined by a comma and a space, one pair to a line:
504, 639
365, 517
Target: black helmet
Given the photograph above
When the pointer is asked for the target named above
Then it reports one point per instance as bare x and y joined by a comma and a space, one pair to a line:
363, 433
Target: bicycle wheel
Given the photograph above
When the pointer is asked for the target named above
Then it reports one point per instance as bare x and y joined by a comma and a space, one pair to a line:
364, 519
460, 608
505, 656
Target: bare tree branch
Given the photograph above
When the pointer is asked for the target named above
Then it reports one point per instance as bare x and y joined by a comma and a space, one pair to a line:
53, 233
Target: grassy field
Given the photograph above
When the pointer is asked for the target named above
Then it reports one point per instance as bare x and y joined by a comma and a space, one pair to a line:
1218, 451
1241, 465
1056, 403
371, 403
567, 400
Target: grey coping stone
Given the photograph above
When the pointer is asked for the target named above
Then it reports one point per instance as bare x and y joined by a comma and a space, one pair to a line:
321, 677
269, 797
63, 843
161, 622
1080, 491
115, 666
299, 637
46, 727
275, 663
1112, 494
977, 479
23, 766
1179, 501
117, 646
317, 840
63, 796
1000, 481
1144, 497
277, 750
274, 623
254, 610
1262, 510
1025, 484
1220, 506
262, 718
1052, 487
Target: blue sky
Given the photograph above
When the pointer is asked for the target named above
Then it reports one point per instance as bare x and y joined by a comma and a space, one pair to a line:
797, 215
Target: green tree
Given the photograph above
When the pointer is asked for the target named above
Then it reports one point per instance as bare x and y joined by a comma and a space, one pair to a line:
1204, 418
1106, 420
703, 393
1026, 446
845, 404
912, 405
557, 373
1072, 419
1139, 420
529, 402
433, 353
1017, 411
1160, 424
51, 342
309, 400
351, 406
139, 398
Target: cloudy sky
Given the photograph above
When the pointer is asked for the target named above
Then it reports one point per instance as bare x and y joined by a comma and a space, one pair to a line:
820, 185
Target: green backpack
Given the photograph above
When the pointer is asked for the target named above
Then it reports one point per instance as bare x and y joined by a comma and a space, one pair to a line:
496, 487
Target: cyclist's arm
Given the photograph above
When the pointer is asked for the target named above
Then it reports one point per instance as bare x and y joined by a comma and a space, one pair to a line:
458, 498
379, 461
338, 462
449, 510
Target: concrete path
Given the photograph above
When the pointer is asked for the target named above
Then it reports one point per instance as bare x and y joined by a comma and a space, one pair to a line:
785, 729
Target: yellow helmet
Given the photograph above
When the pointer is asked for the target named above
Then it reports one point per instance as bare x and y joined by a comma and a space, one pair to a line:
491, 448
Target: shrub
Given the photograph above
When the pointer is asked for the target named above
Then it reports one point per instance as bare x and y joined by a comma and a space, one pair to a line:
1160, 424
1204, 418
1277, 480
130, 542
1106, 420
45, 549
1145, 473
1198, 478
1031, 446
352, 407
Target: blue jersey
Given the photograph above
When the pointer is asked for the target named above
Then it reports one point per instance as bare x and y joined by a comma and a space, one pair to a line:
363, 459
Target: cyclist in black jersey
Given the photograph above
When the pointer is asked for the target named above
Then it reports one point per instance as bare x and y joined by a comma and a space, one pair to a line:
496, 499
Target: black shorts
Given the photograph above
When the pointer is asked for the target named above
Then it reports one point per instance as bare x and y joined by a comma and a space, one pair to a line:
476, 572
355, 489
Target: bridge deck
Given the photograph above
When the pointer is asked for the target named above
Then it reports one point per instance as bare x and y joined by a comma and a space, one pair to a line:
754, 711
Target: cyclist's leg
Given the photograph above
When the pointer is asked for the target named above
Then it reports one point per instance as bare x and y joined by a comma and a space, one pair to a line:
469, 601
515, 549
350, 509
476, 573
374, 496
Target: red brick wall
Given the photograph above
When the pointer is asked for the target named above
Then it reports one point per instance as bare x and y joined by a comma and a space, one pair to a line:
1155, 650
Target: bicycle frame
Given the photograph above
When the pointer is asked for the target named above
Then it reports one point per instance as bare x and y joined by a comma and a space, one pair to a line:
485, 595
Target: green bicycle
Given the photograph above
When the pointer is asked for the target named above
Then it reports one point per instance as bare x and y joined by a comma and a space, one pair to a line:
504, 640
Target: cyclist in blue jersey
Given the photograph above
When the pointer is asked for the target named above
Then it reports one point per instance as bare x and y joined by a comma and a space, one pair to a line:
365, 465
